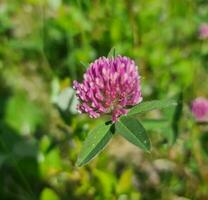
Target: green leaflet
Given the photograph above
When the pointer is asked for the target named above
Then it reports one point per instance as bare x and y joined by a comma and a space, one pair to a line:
151, 105
112, 53
174, 115
96, 140
132, 130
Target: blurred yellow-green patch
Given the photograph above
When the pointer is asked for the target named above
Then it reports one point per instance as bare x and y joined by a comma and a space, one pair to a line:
46, 45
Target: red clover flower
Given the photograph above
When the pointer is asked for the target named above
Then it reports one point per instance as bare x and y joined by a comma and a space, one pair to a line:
200, 109
110, 85
203, 31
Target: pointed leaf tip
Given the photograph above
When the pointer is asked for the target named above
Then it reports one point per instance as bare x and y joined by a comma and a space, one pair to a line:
96, 140
112, 53
151, 105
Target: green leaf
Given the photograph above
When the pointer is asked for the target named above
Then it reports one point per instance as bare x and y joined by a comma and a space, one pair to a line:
50, 163
106, 180
23, 115
112, 53
175, 119
169, 134
124, 184
64, 98
96, 140
67, 101
151, 105
132, 130
47, 194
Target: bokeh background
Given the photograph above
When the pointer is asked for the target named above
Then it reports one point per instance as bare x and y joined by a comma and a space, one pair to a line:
43, 45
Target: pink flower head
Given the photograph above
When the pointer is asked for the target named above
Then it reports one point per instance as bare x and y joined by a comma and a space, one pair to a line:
109, 86
200, 109
203, 31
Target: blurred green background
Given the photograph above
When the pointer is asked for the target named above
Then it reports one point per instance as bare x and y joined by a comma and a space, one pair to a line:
42, 45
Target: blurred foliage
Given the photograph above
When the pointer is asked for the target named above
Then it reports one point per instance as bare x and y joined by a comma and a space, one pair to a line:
42, 46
